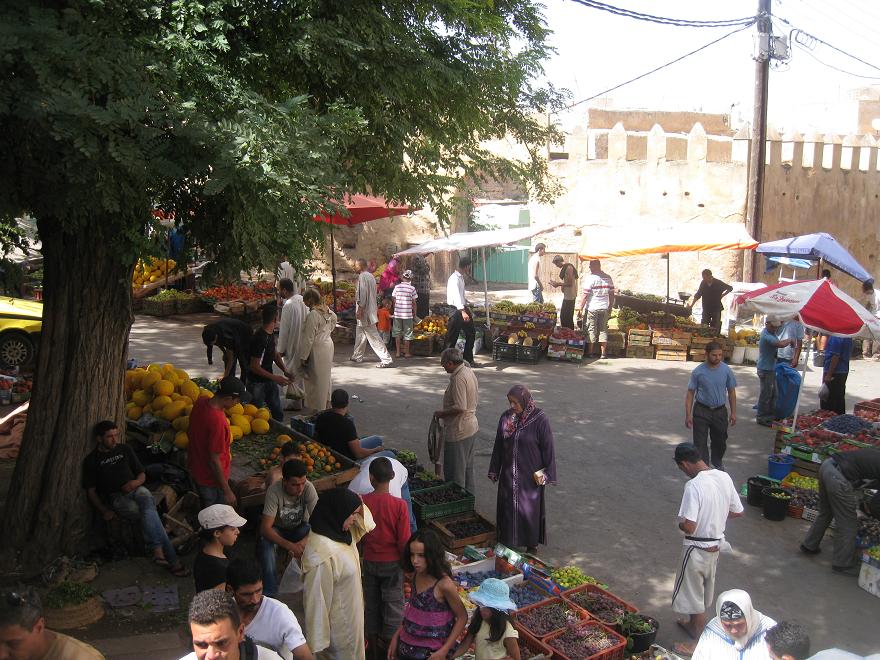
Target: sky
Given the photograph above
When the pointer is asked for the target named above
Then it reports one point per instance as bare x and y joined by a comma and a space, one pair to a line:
597, 50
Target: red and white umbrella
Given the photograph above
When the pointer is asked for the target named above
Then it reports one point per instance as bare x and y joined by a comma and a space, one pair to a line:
818, 304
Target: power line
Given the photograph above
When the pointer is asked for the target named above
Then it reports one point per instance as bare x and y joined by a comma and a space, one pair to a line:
831, 66
656, 69
796, 32
856, 30
665, 20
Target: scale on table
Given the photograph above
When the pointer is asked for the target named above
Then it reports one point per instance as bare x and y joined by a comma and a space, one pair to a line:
685, 296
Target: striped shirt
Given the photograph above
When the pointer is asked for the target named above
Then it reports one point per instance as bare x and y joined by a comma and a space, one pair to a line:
598, 288
404, 294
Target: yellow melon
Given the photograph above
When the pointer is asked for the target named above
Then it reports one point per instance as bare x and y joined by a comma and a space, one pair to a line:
188, 409
205, 394
147, 408
282, 439
263, 413
149, 379
167, 368
241, 422
236, 432
185, 399
250, 409
237, 409
141, 398
156, 368
181, 423
172, 410
175, 396
181, 440
260, 426
133, 377
160, 402
181, 375
134, 412
163, 388
189, 389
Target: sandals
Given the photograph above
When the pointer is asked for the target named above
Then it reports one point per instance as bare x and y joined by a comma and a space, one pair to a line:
161, 561
383, 365
180, 571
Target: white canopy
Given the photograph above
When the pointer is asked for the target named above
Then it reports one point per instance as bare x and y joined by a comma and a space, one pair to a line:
479, 239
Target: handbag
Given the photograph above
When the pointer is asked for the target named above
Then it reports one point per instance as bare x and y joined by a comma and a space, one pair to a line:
435, 440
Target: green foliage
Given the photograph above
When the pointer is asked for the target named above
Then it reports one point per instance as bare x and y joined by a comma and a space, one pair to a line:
243, 119
68, 593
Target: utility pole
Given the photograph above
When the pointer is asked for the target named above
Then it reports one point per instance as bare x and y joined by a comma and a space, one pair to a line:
758, 151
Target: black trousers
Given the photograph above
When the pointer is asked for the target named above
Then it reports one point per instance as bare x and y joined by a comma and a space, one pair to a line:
836, 400
423, 304
566, 314
710, 425
712, 318
455, 326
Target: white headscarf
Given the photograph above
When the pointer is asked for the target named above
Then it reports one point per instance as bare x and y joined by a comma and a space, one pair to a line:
744, 602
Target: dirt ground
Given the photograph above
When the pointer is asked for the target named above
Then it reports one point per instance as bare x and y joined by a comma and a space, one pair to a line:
613, 512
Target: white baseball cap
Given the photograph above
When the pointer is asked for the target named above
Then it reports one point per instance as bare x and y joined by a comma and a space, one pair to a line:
220, 515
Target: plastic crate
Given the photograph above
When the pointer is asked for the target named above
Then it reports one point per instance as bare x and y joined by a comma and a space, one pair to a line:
574, 609
532, 643
571, 594
809, 514
616, 652
502, 351
528, 354
426, 512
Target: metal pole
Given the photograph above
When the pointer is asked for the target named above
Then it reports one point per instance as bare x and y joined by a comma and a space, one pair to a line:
758, 152
797, 405
486, 288
333, 264
667, 277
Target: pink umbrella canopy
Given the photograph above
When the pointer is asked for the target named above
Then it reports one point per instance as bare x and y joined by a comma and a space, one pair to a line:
818, 304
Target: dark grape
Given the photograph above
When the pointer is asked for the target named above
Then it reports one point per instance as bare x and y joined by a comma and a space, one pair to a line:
581, 642
524, 594
468, 579
465, 528
451, 493
545, 619
602, 607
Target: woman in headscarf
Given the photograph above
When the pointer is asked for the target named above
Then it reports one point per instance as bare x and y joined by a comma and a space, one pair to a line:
333, 597
315, 353
523, 463
737, 632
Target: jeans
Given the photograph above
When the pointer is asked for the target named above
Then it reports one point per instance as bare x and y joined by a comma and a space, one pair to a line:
210, 495
267, 557
711, 425
455, 327
139, 503
837, 500
836, 400
767, 396
266, 394
537, 295
383, 597
458, 462
566, 314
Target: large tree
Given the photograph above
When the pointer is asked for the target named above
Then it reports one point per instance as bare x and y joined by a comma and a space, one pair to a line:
242, 118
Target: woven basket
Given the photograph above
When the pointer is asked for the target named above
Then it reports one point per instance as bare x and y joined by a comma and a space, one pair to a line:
75, 616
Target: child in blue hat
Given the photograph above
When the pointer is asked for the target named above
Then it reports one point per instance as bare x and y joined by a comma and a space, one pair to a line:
490, 631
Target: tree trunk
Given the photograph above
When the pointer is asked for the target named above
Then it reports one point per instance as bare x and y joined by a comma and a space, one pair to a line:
79, 381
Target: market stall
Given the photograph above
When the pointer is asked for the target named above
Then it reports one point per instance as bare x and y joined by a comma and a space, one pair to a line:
821, 248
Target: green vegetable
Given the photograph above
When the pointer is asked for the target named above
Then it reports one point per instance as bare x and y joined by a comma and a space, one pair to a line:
68, 593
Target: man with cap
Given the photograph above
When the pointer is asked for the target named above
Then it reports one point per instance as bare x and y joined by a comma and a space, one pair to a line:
768, 345
404, 296
536, 283
839, 480
233, 337
568, 282
208, 455
709, 500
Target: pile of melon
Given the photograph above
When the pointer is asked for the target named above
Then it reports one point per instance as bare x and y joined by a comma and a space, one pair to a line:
169, 394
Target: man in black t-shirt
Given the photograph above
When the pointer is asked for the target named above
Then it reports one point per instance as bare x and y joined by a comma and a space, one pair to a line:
711, 291
233, 337
335, 428
262, 383
113, 478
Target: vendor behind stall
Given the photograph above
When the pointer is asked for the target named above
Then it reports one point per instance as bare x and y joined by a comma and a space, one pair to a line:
233, 338
335, 428
711, 291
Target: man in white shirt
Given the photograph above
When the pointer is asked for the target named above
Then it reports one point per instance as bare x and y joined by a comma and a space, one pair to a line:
366, 312
598, 297
536, 280
218, 631
709, 500
462, 320
267, 621
871, 348
792, 329
293, 312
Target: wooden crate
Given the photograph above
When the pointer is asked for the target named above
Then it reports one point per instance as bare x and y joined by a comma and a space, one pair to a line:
671, 354
456, 545
637, 351
638, 338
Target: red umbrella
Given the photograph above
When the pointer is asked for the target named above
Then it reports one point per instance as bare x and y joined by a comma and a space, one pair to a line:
818, 304
360, 208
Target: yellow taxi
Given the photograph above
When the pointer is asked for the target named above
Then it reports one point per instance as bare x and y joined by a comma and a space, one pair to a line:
20, 324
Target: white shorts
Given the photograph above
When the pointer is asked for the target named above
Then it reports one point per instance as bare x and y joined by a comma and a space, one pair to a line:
695, 583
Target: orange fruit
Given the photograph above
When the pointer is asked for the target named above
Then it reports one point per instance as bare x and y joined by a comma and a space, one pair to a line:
327, 468
338, 465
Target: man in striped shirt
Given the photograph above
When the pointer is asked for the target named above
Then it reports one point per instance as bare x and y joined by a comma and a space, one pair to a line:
598, 297
405, 297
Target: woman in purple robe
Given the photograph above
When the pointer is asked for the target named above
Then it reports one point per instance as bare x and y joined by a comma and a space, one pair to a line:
523, 463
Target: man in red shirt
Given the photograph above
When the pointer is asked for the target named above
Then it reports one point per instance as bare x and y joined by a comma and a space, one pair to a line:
208, 454
382, 550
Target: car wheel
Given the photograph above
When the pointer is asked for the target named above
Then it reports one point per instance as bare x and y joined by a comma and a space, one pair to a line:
16, 350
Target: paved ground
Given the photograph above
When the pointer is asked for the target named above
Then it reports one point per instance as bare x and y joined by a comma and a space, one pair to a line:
613, 512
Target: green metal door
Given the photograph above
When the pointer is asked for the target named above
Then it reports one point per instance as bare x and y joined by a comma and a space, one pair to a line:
508, 266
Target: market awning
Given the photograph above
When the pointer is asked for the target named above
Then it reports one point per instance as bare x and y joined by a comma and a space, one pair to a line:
817, 247
604, 242
364, 208
479, 239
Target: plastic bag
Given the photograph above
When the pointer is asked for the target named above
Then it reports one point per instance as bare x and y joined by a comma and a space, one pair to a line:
824, 392
788, 384
292, 580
